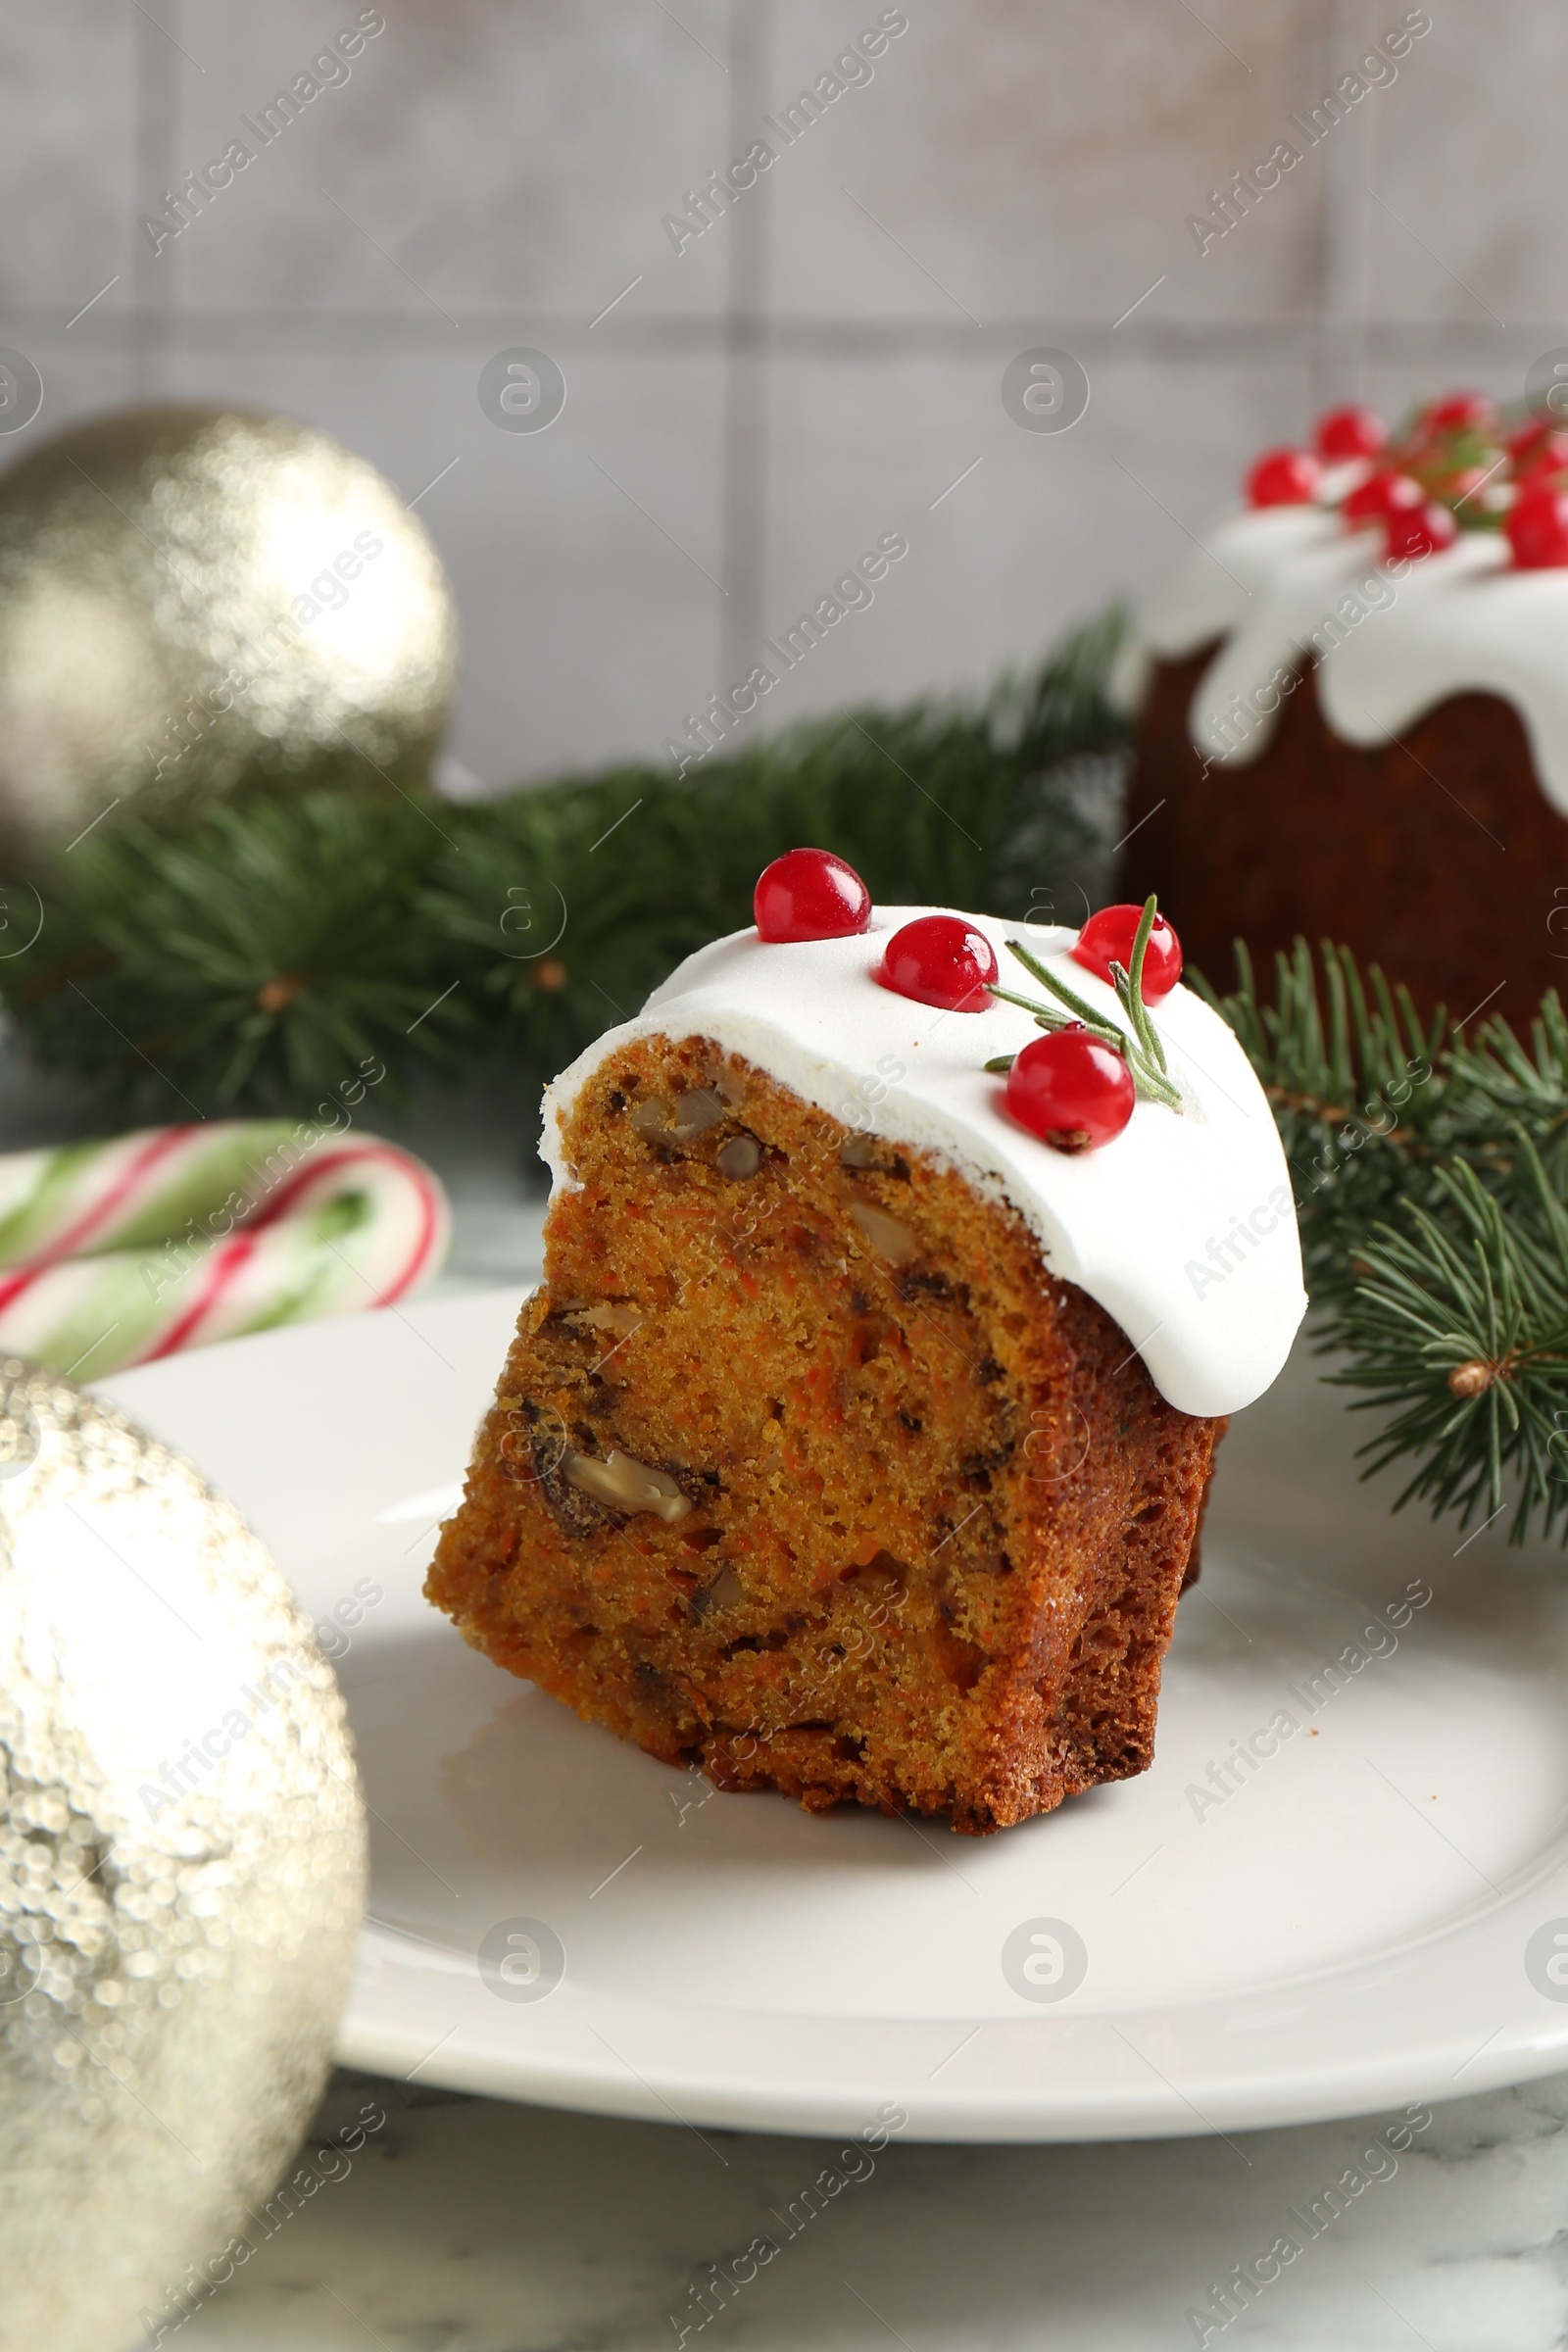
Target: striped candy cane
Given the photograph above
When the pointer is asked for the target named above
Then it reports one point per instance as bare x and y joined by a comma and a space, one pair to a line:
116, 1253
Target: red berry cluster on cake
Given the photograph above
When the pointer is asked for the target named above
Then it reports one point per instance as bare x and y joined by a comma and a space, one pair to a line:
1353, 706
1455, 464
901, 1267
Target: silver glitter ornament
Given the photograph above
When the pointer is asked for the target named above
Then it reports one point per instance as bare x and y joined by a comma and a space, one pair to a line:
181, 1874
192, 596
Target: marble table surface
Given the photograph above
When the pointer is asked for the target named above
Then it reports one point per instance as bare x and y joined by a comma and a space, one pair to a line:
471, 2225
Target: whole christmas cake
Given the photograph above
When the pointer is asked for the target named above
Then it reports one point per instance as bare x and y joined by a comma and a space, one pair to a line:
898, 1282
1353, 709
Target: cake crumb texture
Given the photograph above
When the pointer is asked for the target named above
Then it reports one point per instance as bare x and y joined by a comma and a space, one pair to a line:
804, 1469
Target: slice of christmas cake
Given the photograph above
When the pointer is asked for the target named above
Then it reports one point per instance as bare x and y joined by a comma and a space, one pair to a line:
898, 1281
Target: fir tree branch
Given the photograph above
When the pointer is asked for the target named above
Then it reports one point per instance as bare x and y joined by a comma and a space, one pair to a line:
1459, 1330
1430, 1189
237, 958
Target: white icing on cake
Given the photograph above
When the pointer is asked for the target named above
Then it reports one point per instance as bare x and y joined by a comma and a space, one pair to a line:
1147, 1225
1282, 585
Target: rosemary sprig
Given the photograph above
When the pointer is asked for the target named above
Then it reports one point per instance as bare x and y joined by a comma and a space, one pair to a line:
1138, 1044
1129, 987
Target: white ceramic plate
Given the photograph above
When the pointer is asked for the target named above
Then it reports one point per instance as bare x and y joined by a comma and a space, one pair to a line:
1364, 1918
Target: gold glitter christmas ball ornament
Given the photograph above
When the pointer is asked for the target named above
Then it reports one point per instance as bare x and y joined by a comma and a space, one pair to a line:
181, 1874
193, 598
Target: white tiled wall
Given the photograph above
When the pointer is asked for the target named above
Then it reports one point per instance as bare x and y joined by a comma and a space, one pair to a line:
825, 362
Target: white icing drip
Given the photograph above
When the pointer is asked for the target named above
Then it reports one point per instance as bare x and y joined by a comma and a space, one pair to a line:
1146, 1225
1458, 622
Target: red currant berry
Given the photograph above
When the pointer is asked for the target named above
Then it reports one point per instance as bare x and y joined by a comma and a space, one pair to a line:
1532, 435
1071, 1091
1381, 495
1420, 531
939, 960
1351, 432
1470, 412
1284, 477
1545, 452
1107, 938
810, 894
1537, 528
